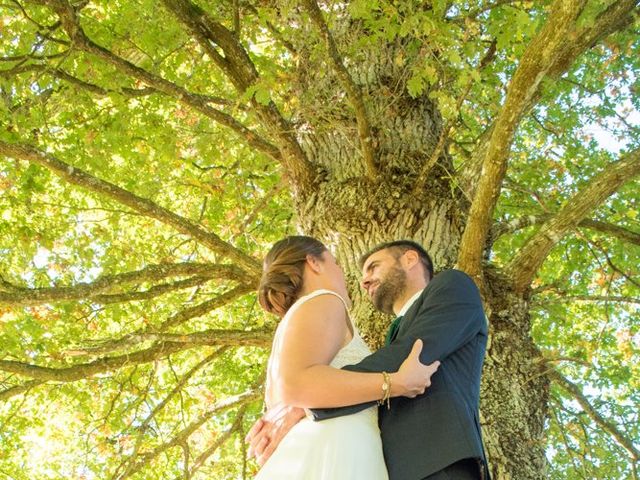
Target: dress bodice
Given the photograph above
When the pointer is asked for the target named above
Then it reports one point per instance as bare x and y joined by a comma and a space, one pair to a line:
352, 352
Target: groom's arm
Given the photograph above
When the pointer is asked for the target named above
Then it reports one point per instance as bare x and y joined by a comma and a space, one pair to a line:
450, 316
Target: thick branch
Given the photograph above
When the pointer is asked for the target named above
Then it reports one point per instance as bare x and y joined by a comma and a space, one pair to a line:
562, 296
613, 230
536, 61
142, 205
353, 91
516, 224
239, 68
97, 89
608, 426
133, 339
526, 262
16, 296
615, 17
18, 389
158, 351
235, 62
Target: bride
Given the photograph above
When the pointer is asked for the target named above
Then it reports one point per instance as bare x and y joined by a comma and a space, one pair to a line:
303, 284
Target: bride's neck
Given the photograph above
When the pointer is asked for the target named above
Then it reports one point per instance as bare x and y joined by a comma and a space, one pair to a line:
312, 286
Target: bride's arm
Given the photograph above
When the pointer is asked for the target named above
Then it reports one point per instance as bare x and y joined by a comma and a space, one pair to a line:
311, 338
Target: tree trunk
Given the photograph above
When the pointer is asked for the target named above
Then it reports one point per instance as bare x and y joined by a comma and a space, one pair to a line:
351, 213
515, 389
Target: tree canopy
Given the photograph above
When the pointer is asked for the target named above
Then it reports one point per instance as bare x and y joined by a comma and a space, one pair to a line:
151, 152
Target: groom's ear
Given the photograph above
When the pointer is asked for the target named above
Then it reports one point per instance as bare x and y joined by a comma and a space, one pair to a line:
411, 259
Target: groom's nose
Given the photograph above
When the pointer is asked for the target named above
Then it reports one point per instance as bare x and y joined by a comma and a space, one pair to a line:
365, 282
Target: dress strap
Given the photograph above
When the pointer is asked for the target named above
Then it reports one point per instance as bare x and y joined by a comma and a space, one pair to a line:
323, 291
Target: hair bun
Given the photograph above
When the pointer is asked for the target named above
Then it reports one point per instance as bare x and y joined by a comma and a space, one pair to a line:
279, 288
281, 280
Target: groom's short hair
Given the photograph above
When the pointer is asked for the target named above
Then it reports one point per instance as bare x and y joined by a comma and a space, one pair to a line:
398, 247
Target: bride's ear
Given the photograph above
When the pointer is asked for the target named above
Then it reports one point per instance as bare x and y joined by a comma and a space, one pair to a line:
314, 264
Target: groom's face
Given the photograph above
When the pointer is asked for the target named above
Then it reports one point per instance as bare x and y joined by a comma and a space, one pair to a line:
384, 279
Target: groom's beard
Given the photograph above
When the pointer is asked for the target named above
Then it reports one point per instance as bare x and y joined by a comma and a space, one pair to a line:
391, 287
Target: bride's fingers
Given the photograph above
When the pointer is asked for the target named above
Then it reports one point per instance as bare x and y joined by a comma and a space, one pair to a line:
267, 452
258, 448
256, 443
255, 429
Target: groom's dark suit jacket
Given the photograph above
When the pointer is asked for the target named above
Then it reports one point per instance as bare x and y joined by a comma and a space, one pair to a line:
425, 434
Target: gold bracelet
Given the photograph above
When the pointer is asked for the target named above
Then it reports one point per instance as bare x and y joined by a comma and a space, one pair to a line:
386, 390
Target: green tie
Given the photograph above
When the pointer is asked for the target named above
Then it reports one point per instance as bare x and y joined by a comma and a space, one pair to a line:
392, 330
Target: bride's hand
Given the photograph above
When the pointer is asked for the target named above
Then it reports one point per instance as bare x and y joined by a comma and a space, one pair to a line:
413, 377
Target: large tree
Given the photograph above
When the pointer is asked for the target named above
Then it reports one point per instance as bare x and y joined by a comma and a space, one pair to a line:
151, 151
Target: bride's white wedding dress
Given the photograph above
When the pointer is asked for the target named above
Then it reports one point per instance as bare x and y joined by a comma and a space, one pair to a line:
343, 448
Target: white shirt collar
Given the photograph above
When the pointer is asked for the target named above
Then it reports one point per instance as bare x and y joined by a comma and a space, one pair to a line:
409, 303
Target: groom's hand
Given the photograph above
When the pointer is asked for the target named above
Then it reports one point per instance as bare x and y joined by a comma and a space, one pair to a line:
413, 377
266, 434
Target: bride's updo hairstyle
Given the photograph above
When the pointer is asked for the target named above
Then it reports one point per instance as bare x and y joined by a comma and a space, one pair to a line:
282, 270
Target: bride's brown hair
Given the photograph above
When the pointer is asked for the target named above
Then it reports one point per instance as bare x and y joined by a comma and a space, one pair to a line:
282, 270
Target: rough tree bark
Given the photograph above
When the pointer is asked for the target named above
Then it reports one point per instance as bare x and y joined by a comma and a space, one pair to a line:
350, 211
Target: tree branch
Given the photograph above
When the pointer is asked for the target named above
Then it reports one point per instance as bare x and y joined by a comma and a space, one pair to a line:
18, 389
526, 262
262, 203
213, 337
174, 343
142, 428
16, 296
133, 339
81, 178
80, 41
606, 425
614, 230
353, 91
563, 296
97, 89
152, 292
536, 61
102, 365
205, 307
184, 434
62, 75
235, 427
239, 68
274, 31
235, 62
516, 224
615, 17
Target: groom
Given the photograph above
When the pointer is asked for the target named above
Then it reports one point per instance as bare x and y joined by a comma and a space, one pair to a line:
434, 436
